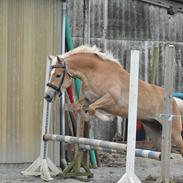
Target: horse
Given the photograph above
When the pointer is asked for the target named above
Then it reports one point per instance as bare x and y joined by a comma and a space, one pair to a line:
105, 87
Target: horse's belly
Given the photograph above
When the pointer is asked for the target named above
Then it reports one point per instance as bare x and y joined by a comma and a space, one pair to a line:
141, 113
117, 110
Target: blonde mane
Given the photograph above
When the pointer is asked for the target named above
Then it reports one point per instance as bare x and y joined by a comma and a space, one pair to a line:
108, 56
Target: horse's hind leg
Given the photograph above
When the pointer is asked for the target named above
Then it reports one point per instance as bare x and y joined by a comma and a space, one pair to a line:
176, 135
153, 130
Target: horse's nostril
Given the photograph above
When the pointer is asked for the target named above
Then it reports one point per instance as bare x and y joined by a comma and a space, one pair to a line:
48, 98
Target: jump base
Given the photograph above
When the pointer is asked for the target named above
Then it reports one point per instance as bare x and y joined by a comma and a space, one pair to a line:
44, 168
74, 170
131, 179
162, 180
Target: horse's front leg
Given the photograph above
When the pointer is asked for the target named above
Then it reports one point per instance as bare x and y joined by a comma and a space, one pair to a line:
101, 103
81, 107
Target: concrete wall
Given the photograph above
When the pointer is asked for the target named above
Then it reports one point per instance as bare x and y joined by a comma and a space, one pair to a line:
132, 24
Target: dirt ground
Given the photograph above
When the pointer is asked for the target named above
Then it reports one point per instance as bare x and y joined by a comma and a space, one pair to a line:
113, 167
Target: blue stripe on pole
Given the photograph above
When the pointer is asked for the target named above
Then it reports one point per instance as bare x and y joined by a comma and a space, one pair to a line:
148, 154
178, 95
152, 154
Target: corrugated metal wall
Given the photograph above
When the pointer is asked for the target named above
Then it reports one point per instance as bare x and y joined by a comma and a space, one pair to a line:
133, 24
29, 31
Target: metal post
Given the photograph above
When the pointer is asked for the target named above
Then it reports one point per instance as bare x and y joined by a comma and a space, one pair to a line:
63, 162
129, 176
167, 119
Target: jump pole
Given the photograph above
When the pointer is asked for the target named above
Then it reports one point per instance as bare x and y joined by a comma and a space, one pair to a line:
129, 176
101, 145
138, 152
43, 166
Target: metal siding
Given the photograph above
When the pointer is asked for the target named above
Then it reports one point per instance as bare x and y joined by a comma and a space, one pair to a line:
29, 31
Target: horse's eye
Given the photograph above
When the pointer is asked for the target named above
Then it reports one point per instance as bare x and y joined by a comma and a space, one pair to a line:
58, 75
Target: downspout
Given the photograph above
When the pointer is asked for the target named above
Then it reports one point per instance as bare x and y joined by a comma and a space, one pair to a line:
63, 162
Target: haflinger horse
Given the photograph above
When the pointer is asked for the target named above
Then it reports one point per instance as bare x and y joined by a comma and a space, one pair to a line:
105, 87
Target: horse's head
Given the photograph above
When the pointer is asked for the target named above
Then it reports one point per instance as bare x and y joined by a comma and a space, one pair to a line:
60, 78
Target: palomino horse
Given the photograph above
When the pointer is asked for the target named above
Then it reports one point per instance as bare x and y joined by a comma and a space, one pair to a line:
105, 86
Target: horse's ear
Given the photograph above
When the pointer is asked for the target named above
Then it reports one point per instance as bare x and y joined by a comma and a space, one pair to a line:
58, 58
49, 57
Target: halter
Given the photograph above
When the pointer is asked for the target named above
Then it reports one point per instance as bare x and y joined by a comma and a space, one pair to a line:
57, 88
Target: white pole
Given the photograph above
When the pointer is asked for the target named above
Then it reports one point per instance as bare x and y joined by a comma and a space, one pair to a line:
129, 176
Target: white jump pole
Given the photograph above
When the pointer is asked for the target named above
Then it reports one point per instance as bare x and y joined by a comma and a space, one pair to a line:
129, 176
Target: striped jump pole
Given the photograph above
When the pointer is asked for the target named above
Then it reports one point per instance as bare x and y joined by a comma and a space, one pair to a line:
138, 152
101, 145
178, 95
86, 141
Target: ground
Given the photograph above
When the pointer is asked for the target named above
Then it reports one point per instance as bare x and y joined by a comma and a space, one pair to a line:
113, 167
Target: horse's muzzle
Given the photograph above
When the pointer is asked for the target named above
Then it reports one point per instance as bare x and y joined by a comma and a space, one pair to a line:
48, 98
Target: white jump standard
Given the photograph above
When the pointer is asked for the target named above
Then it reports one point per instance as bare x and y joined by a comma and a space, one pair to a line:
129, 176
43, 166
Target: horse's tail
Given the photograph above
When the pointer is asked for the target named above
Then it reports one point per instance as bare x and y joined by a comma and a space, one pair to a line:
179, 104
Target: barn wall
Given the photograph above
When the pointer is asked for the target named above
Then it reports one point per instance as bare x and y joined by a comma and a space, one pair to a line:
128, 20
29, 31
133, 24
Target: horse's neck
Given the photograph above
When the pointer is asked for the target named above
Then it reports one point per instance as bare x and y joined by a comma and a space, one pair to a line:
80, 66
80, 75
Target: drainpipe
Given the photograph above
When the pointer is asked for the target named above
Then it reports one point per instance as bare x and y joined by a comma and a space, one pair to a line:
63, 162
